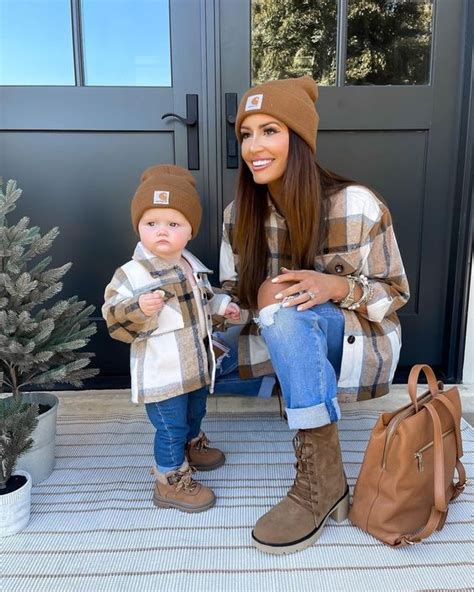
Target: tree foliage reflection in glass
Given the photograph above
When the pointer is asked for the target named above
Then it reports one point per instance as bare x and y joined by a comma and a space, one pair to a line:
388, 41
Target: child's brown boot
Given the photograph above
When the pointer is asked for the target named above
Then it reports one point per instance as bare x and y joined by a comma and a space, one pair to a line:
177, 489
201, 457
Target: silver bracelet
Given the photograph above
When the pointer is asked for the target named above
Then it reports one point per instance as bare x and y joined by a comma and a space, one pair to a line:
349, 299
367, 292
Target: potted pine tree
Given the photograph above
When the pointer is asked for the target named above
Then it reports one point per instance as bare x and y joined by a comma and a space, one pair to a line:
17, 421
39, 340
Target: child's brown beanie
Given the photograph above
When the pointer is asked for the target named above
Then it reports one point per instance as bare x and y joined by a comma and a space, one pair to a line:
167, 186
291, 100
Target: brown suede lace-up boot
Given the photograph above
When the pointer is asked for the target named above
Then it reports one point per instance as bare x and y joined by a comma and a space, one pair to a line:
177, 489
201, 457
319, 491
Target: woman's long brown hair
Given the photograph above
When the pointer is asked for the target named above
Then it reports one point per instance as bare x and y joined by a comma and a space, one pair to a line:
305, 187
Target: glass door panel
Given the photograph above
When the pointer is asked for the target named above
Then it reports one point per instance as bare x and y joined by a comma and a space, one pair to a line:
36, 43
126, 43
293, 39
389, 42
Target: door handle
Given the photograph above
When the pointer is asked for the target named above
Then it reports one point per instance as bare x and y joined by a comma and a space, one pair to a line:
232, 145
187, 121
191, 121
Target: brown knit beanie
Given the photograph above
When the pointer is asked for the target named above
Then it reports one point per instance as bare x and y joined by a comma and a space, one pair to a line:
291, 100
167, 186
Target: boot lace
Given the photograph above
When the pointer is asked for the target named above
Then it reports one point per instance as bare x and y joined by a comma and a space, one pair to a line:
202, 444
183, 480
301, 491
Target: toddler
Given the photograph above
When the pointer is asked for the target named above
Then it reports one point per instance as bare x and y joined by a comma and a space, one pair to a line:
161, 302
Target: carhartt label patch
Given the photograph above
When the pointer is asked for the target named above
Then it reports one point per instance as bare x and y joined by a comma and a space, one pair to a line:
161, 197
253, 103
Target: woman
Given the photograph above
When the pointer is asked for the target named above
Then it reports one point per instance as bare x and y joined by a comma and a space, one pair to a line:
313, 258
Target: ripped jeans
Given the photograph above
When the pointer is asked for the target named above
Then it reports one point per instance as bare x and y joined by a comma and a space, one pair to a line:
306, 351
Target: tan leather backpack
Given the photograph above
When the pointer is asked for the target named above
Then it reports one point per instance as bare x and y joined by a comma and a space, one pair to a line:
406, 480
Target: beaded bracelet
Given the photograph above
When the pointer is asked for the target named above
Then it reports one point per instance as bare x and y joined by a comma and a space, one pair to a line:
367, 292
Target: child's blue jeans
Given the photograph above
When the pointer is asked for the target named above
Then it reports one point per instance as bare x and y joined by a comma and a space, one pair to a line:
177, 421
306, 351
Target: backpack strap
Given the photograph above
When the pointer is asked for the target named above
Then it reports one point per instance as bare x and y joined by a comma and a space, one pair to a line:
413, 382
461, 484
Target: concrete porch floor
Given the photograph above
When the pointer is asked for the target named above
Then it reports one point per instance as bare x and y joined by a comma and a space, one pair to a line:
117, 401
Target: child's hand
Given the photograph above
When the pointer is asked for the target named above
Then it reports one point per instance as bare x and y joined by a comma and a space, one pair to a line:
232, 311
151, 303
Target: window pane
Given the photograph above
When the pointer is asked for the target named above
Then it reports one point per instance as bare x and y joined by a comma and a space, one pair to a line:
36, 42
389, 42
294, 38
126, 42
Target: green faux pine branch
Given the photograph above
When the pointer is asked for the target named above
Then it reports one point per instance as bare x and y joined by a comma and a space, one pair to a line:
8, 204
17, 422
39, 340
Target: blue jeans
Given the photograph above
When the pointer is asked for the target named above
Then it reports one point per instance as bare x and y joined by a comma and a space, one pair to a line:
177, 421
228, 380
306, 351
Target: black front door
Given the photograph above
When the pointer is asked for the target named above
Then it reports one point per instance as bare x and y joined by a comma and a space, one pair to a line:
390, 80
80, 126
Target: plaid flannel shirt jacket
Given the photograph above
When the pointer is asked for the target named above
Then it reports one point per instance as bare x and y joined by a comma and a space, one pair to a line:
360, 241
170, 353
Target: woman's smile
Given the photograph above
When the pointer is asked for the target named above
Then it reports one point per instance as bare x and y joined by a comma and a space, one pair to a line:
262, 163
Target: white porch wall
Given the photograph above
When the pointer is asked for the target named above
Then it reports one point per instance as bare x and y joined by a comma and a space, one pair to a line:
468, 369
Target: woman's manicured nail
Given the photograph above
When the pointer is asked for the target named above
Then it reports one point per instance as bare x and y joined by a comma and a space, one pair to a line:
278, 296
275, 280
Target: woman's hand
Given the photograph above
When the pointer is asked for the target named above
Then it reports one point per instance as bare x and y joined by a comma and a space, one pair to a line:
310, 288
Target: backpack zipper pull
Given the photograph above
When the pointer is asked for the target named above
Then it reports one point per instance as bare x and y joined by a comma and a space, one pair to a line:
419, 457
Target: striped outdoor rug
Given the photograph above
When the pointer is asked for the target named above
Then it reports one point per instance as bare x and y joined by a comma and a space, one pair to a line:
93, 526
